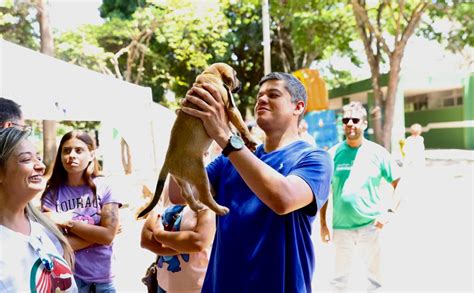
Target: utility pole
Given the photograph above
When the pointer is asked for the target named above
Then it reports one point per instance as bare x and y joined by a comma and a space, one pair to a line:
266, 38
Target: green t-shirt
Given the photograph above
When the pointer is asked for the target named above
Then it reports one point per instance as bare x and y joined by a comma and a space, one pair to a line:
356, 182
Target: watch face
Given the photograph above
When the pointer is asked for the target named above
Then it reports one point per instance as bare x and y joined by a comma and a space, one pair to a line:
236, 142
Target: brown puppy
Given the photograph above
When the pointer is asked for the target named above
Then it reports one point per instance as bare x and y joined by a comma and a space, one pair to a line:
189, 141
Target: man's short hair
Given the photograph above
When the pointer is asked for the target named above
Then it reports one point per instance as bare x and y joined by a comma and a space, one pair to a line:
9, 111
355, 106
292, 85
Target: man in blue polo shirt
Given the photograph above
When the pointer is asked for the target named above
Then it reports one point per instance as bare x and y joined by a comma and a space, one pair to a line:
264, 243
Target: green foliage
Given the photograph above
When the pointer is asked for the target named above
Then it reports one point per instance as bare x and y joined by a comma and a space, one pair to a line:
301, 32
81, 47
389, 12
245, 51
122, 9
305, 31
66, 126
338, 78
178, 39
17, 21
186, 36
190, 36
450, 23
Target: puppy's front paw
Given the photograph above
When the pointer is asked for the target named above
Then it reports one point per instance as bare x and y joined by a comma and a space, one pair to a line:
252, 145
222, 211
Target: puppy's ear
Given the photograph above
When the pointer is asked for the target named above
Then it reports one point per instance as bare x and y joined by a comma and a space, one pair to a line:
232, 81
228, 80
237, 83
229, 77
230, 97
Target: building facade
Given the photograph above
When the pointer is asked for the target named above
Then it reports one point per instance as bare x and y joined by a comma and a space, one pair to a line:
444, 107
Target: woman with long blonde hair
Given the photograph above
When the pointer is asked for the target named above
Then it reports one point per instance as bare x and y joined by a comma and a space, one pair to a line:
34, 254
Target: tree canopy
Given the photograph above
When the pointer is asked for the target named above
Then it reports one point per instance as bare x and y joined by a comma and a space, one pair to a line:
450, 23
17, 23
164, 44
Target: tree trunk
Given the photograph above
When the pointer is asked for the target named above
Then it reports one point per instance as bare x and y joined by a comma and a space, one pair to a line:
376, 111
283, 57
395, 61
393, 79
370, 35
373, 58
47, 47
49, 142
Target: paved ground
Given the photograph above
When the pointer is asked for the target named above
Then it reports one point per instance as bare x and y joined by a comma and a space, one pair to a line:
427, 248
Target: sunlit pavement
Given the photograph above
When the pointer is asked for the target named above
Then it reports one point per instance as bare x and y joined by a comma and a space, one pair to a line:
428, 247
131, 261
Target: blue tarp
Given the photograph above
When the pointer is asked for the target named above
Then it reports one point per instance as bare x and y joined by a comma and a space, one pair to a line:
322, 126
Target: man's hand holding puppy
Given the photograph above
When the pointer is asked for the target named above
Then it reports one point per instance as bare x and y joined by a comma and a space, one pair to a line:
212, 113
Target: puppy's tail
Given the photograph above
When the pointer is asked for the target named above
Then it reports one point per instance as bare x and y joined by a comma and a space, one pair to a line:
156, 197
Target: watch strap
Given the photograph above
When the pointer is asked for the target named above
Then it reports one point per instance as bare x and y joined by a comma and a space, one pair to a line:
229, 147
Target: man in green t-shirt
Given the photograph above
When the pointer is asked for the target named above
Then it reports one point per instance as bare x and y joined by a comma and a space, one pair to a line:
358, 214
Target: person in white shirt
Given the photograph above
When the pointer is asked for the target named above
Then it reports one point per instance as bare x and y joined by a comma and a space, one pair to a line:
414, 148
304, 134
34, 255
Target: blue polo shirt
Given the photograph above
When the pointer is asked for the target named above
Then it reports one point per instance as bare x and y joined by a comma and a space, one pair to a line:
255, 249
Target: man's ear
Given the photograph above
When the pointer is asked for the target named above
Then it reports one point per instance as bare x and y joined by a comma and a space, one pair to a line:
299, 108
92, 155
365, 124
7, 124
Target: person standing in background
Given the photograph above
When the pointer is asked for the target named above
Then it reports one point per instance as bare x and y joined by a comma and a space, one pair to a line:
81, 202
11, 115
414, 148
303, 133
182, 239
358, 212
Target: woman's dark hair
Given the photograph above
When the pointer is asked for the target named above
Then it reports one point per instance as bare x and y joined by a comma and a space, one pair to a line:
59, 175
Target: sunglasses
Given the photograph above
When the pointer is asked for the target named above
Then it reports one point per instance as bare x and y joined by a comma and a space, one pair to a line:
354, 120
22, 127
